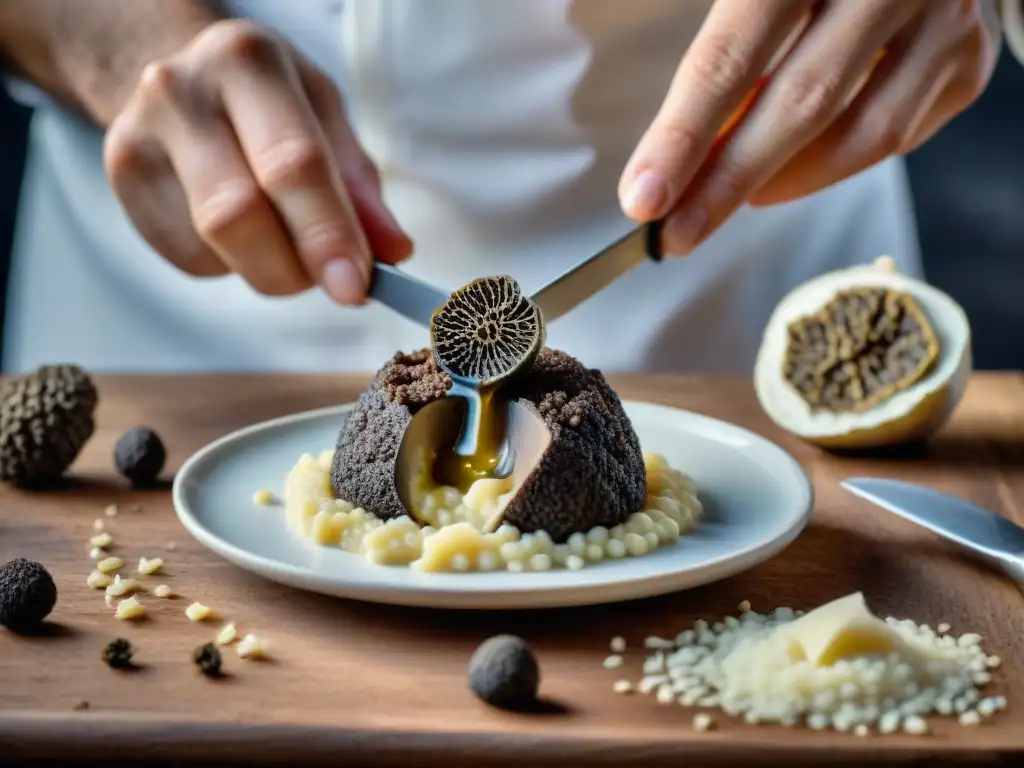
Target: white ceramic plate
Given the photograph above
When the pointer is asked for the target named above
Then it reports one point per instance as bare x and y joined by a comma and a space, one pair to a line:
756, 497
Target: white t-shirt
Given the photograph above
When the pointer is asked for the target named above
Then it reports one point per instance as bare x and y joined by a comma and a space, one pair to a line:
500, 129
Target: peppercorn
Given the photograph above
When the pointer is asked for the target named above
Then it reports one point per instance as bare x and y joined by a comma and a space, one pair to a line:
27, 595
118, 653
207, 657
140, 455
503, 672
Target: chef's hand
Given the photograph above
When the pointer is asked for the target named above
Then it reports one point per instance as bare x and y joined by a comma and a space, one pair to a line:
234, 155
809, 126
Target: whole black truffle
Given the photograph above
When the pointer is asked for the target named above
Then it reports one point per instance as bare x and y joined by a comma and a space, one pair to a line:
207, 657
503, 672
140, 455
592, 473
46, 417
118, 653
27, 595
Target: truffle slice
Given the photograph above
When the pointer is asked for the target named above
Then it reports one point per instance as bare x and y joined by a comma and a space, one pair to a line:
592, 472
46, 417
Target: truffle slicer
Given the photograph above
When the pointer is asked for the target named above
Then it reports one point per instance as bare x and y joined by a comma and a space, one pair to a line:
437, 427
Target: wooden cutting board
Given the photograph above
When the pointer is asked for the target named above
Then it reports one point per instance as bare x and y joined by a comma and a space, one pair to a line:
363, 684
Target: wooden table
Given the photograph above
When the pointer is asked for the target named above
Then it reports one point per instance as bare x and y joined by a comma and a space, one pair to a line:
354, 683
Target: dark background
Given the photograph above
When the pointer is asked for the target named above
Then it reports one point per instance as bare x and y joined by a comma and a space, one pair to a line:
968, 185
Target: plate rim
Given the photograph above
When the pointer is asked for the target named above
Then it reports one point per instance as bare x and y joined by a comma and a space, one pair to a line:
524, 596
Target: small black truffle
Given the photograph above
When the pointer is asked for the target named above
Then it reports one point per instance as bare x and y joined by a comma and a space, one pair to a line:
207, 657
46, 417
27, 595
140, 455
503, 672
118, 653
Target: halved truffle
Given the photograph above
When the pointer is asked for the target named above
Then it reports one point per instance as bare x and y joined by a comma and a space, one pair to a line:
591, 474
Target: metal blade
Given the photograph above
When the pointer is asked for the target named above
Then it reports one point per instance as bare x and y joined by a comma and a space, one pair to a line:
406, 295
600, 270
949, 516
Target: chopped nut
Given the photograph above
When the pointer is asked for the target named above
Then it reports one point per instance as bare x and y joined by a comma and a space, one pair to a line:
99, 580
97, 554
109, 564
109, 600
121, 587
622, 686
228, 634
251, 647
111, 510
744, 606
150, 567
613, 662
263, 498
101, 540
703, 722
618, 645
130, 609
162, 591
199, 612
98, 525
943, 628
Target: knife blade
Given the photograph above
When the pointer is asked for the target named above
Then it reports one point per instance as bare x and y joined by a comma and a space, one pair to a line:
987, 534
598, 271
406, 295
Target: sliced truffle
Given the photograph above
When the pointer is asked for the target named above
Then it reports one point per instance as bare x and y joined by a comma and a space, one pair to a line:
27, 595
504, 673
591, 474
46, 417
139, 456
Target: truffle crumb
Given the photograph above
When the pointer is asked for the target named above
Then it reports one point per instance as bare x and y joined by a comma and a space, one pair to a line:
118, 653
503, 672
207, 657
27, 595
139, 456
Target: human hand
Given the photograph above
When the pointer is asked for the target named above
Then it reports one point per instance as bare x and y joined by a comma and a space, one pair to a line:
865, 79
235, 155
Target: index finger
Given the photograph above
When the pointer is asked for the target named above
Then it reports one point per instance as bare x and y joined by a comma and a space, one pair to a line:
291, 160
732, 50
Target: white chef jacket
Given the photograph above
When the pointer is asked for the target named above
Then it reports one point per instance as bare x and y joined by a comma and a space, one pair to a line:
500, 129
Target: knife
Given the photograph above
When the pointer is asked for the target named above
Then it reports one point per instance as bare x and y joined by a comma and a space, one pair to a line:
995, 539
598, 271
407, 295
418, 300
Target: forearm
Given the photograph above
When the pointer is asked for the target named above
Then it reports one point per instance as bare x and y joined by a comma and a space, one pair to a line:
89, 53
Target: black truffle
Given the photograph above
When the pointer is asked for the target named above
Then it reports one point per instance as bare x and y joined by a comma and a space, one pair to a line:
27, 595
118, 653
46, 417
503, 672
140, 455
593, 472
207, 657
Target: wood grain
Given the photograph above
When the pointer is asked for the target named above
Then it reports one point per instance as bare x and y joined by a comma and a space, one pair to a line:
365, 684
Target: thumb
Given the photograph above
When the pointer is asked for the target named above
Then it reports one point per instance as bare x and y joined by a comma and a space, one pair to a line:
388, 241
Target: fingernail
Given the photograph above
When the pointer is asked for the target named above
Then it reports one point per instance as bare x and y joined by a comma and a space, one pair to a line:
344, 281
684, 229
648, 197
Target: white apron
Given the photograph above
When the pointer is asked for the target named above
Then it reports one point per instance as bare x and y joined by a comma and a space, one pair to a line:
500, 129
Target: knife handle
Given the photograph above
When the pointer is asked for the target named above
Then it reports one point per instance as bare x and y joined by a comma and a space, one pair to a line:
652, 240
